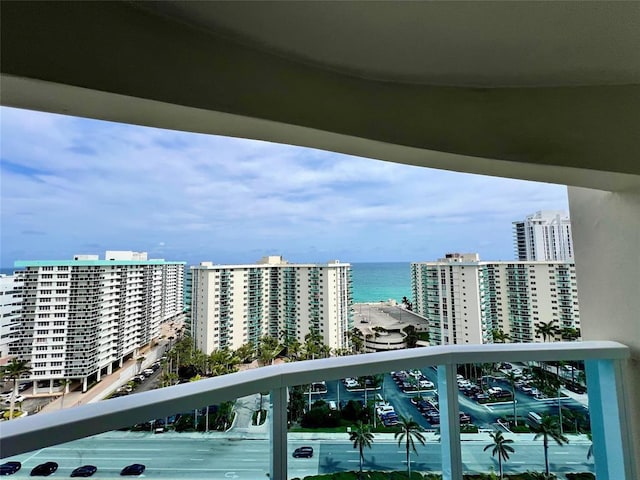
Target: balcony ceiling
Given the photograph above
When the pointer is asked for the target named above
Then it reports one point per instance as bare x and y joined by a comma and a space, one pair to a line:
468, 44
546, 91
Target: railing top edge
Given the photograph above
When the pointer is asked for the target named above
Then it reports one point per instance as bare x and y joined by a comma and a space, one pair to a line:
296, 373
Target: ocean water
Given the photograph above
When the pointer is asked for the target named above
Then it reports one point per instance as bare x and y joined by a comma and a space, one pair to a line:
373, 282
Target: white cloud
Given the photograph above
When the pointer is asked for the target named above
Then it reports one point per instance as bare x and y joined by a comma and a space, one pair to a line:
83, 182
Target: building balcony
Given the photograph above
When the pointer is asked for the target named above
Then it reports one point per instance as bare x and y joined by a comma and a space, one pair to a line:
271, 448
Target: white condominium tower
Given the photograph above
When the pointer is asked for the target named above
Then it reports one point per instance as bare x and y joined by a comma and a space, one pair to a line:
543, 236
80, 318
232, 305
9, 314
465, 299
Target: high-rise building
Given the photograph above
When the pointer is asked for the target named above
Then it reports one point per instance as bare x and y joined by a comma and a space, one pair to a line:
237, 304
79, 318
544, 236
9, 313
465, 300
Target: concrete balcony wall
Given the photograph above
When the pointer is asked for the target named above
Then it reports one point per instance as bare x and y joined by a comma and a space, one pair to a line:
606, 235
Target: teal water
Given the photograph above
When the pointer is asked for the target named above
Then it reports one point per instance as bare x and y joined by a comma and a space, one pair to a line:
373, 282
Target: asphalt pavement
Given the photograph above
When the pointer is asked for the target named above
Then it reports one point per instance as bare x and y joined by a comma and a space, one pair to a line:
245, 456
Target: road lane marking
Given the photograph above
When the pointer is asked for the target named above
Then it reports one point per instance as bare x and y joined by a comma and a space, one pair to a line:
36, 453
561, 453
105, 458
518, 462
109, 449
202, 450
206, 469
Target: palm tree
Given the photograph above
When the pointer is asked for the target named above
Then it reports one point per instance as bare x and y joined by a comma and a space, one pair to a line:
139, 361
549, 429
501, 448
361, 438
64, 383
410, 430
268, 349
547, 330
590, 450
14, 370
511, 377
499, 336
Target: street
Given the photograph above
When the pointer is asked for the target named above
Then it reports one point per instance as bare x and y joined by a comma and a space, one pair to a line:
212, 456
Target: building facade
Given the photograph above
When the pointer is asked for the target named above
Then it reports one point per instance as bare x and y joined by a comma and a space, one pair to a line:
465, 300
9, 314
81, 318
543, 236
232, 305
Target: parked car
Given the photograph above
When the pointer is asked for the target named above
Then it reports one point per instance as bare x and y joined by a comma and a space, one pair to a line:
133, 469
44, 469
426, 384
303, 452
18, 399
84, 471
10, 468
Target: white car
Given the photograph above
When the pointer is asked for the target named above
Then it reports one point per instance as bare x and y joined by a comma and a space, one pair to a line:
426, 384
18, 399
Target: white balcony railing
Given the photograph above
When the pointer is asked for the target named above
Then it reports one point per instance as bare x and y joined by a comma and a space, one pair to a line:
611, 439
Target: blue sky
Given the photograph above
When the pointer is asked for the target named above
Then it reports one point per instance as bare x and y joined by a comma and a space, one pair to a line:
71, 185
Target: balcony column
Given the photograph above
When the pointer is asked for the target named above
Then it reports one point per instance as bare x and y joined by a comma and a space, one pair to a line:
279, 433
449, 423
611, 443
606, 238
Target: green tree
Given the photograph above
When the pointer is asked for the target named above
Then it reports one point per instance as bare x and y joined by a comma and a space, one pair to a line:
569, 333
361, 438
501, 448
410, 431
222, 361
64, 383
314, 346
411, 336
499, 336
547, 330
268, 349
139, 361
245, 353
14, 370
356, 340
590, 450
511, 377
549, 429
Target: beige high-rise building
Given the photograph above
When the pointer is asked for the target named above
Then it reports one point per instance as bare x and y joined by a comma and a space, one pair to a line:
466, 299
232, 305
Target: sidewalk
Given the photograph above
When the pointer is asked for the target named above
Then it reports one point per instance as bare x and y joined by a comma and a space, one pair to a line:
107, 384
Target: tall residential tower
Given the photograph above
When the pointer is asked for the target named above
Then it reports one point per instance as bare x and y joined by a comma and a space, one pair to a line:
237, 304
465, 300
543, 236
80, 318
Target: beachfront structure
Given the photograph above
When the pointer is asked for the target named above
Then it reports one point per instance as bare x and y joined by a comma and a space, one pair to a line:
237, 304
465, 300
543, 236
9, 314
81, 318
